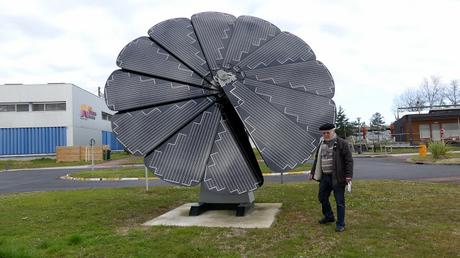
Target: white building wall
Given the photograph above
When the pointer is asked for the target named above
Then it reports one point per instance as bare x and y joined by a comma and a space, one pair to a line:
79, 131
37, 93
85, 129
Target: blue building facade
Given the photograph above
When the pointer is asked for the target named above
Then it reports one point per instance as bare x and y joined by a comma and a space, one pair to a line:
36, 140
109, 138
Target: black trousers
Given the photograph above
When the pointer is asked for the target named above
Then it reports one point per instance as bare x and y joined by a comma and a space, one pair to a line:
325, 189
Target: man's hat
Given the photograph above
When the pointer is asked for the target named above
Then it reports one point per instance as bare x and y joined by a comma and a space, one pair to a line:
326, 127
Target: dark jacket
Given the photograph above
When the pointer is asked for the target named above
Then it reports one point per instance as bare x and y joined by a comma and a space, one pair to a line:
343, 162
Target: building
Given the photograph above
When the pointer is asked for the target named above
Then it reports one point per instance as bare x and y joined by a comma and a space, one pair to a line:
433, 126
35, 118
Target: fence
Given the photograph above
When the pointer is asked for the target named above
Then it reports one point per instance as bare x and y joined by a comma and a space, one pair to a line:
80, 153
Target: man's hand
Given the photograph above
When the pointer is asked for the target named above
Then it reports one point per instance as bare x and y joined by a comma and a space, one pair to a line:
348, 179
310, 176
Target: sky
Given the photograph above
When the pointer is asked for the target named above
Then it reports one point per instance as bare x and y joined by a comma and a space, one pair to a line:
374, 49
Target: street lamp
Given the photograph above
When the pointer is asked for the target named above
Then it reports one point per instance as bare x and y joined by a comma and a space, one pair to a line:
359, 128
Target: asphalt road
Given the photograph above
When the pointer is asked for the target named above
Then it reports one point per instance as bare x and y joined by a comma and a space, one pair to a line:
365, 168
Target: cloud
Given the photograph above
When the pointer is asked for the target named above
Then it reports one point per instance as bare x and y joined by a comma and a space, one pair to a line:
374, 50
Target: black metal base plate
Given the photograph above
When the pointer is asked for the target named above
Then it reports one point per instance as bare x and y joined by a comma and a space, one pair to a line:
240, 208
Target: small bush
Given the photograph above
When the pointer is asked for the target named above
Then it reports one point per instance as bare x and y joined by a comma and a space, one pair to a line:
438, 149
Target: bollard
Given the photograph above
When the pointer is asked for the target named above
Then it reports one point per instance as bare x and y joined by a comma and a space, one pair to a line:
422, 150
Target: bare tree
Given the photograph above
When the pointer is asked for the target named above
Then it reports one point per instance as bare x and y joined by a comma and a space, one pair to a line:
432, 91
452, 93
411, 98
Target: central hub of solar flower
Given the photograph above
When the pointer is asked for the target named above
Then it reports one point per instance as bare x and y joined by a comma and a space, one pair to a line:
224, 77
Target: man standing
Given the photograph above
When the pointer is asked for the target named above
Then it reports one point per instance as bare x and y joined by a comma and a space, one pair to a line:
333, 168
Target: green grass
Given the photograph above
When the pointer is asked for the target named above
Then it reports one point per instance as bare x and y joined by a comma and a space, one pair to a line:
112, 173
130, 159
303, 167
38, 163
51, 162
384, 219
140, 172
406, 150
452, 158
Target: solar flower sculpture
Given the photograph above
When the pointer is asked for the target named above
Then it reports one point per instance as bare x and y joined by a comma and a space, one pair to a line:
188, 96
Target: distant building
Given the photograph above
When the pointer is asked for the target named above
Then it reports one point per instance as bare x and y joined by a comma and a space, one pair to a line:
35, 118
433, 126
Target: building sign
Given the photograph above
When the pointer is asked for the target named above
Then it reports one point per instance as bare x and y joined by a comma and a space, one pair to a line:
86, 112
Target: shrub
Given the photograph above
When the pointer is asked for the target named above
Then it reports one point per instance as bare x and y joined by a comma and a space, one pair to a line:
438, 149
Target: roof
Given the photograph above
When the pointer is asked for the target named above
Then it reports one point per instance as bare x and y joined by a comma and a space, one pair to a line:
451, 113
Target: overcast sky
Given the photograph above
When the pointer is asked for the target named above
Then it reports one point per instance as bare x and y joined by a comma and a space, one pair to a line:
374, 49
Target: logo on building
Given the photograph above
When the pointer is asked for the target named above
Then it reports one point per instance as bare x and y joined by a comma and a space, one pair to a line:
86, 112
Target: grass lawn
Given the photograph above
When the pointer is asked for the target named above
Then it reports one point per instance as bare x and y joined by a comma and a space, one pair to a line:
112, 173
384, 218
406, 150
51, 162
452, 158
38, 163
130, 159
140, 172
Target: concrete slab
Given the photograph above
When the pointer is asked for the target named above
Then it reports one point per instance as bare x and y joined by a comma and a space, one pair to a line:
261, 215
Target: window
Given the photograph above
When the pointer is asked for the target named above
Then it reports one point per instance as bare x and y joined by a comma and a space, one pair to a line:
55, 106
451, 129
7, 108
22, 107
38, 107
106, 116
424, 131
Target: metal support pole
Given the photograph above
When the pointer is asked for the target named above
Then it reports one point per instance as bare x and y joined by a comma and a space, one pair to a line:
92, 142
146, 179
92, 158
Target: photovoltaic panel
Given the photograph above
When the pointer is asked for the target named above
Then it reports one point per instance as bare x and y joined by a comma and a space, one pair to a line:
191, 94
145, 56
143, 130
178, 37
214, 31
182, 159
250, 34
127, 90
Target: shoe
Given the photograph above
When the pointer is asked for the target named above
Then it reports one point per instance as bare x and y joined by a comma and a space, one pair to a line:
339, 229
326, 220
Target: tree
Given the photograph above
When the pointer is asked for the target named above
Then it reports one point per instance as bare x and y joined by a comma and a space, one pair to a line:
432, 91
411, 99
343, 126
377, 121
452, 93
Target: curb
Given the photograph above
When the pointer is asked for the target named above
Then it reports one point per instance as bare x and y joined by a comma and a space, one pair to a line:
68, 177
423, 162
73, 167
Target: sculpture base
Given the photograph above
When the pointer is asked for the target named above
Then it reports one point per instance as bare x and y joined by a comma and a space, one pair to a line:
241, 209
262, 215
241, 203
